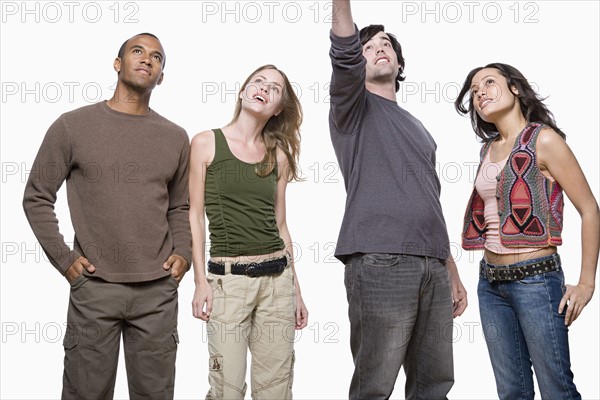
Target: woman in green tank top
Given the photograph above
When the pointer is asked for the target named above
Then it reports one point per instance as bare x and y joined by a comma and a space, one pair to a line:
250, 296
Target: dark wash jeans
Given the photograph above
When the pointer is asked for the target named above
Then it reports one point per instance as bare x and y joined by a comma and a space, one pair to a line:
400, 310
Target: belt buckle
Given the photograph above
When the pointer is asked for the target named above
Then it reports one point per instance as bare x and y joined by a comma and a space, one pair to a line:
251, 269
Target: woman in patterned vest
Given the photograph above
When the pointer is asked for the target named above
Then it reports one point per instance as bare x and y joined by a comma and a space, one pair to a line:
515, 215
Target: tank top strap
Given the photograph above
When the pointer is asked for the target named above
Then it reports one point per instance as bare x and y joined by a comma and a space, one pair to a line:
221, 147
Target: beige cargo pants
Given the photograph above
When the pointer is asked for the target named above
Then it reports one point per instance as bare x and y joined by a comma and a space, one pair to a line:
256, 314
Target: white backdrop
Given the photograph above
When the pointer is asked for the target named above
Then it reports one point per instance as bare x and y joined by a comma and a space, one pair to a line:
57, 56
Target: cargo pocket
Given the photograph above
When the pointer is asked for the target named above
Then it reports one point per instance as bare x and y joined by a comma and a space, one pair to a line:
175, 342
215, 378
72, 360
229, 297
291, 381
284, 295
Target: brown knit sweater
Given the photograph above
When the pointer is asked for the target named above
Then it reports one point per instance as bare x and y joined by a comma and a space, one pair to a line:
127, 188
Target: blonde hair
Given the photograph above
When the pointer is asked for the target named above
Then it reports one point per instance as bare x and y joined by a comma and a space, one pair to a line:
282, 130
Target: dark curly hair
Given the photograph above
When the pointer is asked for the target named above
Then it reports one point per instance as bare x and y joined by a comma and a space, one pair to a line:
532, 106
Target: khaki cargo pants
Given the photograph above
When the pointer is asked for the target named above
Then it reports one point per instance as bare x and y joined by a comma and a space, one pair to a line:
256, 314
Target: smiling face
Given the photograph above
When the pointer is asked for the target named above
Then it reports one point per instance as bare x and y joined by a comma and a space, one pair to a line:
141, 66
382, 61
263, 93
490, 95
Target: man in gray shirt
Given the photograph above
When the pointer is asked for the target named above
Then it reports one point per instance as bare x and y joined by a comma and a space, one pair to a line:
402, 284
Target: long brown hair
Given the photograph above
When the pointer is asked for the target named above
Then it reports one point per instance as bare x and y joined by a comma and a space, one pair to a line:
282, 130
532, 106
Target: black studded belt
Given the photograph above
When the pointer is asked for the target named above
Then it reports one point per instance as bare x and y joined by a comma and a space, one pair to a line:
253, 270
514, 273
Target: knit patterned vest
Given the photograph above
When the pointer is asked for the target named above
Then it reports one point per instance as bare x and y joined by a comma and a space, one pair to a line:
530, 205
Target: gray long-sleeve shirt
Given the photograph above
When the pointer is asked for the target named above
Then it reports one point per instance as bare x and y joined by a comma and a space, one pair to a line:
127, 189
387, 159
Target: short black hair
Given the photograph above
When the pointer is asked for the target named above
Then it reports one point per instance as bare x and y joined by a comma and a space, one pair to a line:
122, 48
367, 34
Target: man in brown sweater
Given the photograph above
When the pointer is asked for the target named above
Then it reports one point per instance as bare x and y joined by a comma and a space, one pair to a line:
126, 169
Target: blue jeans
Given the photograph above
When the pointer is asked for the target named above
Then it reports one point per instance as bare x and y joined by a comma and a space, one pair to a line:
400, 310
522, 328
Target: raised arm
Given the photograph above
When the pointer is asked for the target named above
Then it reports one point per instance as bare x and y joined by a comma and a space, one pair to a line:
202, 149
347, 90
555, 156
342, 24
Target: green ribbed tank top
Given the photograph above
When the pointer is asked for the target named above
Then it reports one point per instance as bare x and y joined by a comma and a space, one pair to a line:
240, 205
